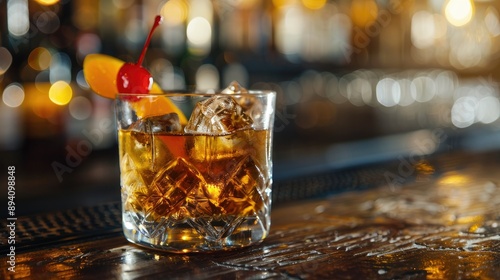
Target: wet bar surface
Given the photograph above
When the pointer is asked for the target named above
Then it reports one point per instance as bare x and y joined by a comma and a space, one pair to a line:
444, 223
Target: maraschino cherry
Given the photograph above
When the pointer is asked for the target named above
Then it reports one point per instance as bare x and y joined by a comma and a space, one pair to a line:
133, 78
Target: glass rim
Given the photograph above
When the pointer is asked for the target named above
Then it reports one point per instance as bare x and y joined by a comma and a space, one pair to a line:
188, 93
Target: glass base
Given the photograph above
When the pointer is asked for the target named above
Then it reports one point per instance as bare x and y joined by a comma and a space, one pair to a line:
202, 234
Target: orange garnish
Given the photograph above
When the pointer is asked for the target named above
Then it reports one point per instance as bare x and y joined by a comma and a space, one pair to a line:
157, 105
176, 145
101, 71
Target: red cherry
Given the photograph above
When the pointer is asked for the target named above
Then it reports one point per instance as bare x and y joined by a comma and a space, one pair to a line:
133, 78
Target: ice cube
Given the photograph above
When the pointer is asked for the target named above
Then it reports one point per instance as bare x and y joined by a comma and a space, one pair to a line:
155, 124
146, 149
251, 105
218, 115
234, 88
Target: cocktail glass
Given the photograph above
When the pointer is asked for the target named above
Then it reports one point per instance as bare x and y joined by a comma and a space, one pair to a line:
198, 177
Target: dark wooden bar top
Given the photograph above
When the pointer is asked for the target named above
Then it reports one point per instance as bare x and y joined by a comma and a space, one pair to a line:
439, 221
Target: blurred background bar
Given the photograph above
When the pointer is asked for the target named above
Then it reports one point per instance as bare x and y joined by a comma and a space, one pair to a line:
358, 81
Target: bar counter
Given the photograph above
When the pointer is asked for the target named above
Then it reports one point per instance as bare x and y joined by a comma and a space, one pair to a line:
436, 219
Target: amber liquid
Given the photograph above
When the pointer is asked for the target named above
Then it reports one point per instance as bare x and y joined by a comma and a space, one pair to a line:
195, 192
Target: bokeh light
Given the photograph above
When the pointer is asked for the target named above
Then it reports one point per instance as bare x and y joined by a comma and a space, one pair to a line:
293, 92
39, 59
492, 22
42, 77
423, 29
246, 4
18, 21
459, 12
463, 113
85, 19
47, 22
123, 4
199, 31
388, 92
135, 32
363, 12
13, 95
87, 43
80, 108
289, 31
60, 67
436, 5
488, 109
37, 99
359, 91
199, 27
60, 93
281, 3
235, 72
207, 77
470, 48
425, 89
340, 32
408, 91
174, 11
47, 2
5, 60
314, 4
80, 80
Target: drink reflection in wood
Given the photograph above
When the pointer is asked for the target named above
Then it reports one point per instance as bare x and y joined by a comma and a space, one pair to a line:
197, 178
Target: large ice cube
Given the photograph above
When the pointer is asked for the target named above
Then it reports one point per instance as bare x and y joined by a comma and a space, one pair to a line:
147, 150
251, 104
234, 88
155, 124
218, 115
144, 150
